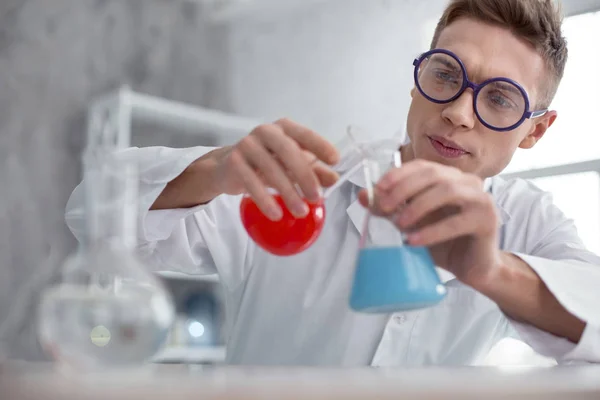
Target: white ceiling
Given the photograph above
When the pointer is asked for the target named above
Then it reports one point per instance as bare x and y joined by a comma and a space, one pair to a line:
224, 10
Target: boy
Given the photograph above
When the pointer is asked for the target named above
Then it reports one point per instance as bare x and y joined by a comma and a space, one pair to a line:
516, 265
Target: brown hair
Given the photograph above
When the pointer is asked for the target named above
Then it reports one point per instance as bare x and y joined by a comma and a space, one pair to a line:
538, 22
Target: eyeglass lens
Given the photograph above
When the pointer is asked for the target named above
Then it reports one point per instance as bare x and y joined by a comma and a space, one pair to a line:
499, 103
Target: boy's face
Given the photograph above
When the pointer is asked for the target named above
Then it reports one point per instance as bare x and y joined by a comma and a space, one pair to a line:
487, 52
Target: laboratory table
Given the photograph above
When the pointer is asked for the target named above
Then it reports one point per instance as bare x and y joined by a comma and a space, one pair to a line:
166, 382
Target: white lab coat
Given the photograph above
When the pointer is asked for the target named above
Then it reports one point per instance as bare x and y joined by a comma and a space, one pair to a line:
294, 310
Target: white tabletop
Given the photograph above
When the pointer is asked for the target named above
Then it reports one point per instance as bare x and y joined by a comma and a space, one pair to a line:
183, 382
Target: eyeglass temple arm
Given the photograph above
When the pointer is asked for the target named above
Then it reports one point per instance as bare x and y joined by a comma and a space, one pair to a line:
536, 114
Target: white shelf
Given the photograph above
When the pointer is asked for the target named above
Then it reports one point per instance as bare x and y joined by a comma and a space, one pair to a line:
187, 277
191, 355
147, 107
127, 106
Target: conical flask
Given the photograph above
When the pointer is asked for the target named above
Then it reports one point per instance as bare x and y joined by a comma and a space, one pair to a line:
390, 276
103, 307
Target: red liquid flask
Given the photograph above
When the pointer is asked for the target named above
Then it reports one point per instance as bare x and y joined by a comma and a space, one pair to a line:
289, 235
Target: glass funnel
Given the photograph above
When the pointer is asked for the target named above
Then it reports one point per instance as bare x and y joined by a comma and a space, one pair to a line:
390, 275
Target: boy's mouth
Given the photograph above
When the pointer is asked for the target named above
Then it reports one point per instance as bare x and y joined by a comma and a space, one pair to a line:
447, 148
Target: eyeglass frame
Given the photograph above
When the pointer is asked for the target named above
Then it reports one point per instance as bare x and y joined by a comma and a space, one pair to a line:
527, 113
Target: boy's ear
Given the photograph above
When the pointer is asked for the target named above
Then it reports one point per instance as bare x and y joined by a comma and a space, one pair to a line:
538, 130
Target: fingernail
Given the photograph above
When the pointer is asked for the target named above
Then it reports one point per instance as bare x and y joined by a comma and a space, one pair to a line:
386, 205
383, 184
333, 157
315, 196
320, 194
275, 212
300, 209
413, 238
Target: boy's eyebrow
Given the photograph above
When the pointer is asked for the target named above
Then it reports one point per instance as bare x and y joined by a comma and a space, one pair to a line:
507, 86
445, 62
453, 66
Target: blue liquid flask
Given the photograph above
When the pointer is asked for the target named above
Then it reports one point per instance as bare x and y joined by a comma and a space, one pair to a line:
390, 276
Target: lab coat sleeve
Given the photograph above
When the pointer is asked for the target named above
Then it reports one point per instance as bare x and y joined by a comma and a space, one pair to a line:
200, 240
572, 274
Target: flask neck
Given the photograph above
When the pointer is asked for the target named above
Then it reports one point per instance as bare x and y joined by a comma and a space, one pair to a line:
111, 194
376, 163
379, 230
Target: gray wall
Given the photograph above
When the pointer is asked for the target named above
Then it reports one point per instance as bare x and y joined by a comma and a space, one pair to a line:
343, 62
56, 55
327, 64
324, 63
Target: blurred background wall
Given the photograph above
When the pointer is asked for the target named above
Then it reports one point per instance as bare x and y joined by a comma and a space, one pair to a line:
55, 56
324, 63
